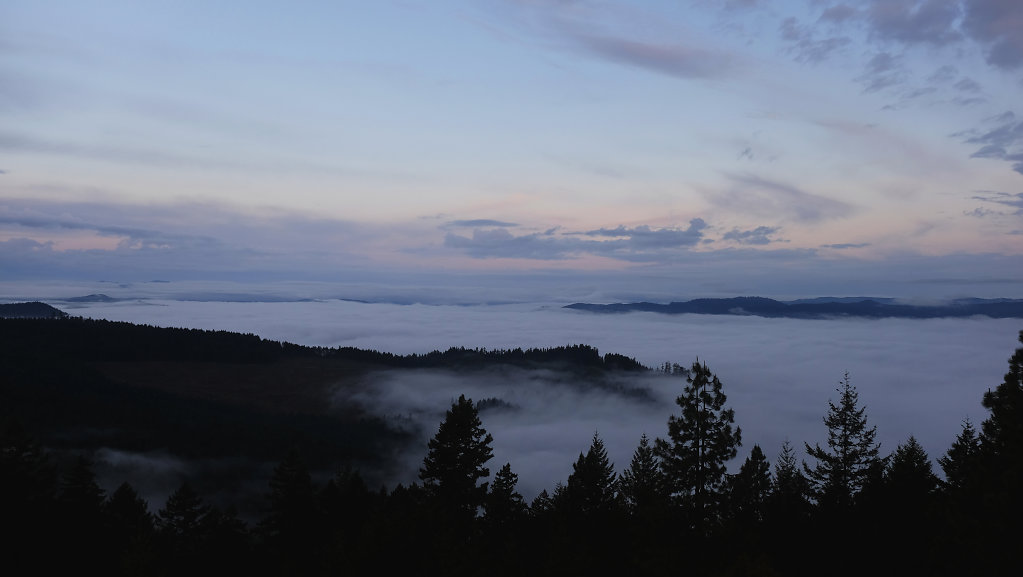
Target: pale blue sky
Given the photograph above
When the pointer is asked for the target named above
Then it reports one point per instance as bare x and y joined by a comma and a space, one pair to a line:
803, 140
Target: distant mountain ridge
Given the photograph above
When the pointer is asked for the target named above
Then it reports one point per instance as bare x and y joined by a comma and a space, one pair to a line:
820, 308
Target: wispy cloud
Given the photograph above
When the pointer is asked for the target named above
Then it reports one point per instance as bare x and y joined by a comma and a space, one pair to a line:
480, 222
845, 245
883, 70
753, 195
1014, 201
611, 33
999, 137
678, 60
806, 46
623, 243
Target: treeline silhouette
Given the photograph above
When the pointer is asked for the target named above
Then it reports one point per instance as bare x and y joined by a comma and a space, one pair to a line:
673, 509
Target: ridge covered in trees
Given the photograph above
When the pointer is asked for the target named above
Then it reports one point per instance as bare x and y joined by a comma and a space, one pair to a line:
674, 509
819, 308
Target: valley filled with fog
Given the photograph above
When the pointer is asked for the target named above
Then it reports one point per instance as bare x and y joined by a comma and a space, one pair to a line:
919, 377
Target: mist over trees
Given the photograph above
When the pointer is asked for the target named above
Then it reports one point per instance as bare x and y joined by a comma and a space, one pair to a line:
674, 508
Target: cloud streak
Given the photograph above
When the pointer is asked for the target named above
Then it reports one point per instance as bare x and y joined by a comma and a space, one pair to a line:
623, 243
1002, 138
754, 195
676, 60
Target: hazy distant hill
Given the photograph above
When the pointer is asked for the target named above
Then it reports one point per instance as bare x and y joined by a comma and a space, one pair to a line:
819, 308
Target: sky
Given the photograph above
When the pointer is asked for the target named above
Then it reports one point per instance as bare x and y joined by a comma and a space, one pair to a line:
676, 148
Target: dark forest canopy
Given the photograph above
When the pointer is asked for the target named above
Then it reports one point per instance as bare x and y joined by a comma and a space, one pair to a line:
30, 310
102, 340
82, 384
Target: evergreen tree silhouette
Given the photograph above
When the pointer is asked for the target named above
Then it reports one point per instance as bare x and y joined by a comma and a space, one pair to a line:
132, 532
845, 467
789, 502
1001, 467
183, 527
28, 488
701, 440
642, 484
456, 459
504, 505
83, 534
592, 486
750, 489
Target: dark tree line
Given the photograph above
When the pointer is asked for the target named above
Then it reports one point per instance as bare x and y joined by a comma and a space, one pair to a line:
674, 509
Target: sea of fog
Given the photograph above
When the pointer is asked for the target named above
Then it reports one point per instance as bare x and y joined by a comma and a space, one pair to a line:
915, 377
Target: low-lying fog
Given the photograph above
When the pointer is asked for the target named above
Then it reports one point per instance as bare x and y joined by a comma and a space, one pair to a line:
919, 377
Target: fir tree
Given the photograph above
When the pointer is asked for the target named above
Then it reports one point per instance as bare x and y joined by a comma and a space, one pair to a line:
960, 463
909, 475
1002, 431
592, 486
292, 527
789, 503
844, 468
750, 488
700, 441
642, 485
457, 457
504, 504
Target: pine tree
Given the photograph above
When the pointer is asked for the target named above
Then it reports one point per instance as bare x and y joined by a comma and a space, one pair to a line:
292, 527
183, 524
789, 503
1001, 468
592, 486
960, 463
909, 475
83, 531
132, 531
456, 459
750, 488
642, 485
700, 441
844, 468
1002, 431
504, 504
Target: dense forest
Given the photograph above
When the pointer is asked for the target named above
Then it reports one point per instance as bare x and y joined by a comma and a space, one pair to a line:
674, 509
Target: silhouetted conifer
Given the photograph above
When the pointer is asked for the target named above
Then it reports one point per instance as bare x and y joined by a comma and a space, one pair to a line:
592, 486
292, 527
183, 526
750, 488
960, 463
504, 505
27, 502
132, 532
845, 467
642, 485
456, 459
700, 441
